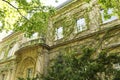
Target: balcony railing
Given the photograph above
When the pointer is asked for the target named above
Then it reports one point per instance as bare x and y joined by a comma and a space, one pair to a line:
31, 42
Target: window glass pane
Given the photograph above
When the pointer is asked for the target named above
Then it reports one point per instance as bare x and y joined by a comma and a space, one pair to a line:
59, 33
60, 30
81, 24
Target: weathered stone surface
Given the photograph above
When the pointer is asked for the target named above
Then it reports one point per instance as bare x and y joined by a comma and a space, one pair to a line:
30, 57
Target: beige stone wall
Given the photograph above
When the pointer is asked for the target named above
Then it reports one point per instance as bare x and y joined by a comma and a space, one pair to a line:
21, 54
34, 56
98, 34
7, 70
67, 16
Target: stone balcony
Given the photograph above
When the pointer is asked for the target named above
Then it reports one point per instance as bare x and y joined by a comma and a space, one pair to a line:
31, 42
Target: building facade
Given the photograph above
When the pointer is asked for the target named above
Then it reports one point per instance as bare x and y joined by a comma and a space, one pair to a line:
75, 25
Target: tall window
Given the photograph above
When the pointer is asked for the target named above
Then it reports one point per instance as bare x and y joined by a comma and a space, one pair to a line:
59, 33
2, 55
108, 16
29, 72
81, 25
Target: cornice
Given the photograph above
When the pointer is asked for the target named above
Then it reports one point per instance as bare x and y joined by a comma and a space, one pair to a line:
85, 37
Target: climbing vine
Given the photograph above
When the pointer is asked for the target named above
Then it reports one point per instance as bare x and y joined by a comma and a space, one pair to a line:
84, 66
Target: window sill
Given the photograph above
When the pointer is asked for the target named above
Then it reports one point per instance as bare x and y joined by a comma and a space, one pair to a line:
79, 32
110, 24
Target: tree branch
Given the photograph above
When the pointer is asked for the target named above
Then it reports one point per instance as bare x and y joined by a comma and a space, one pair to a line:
11, 4
17, 10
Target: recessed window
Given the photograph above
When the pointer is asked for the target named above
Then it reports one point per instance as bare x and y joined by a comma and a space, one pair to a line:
59, 33
29, 73
2, 55
81, 25
109, 16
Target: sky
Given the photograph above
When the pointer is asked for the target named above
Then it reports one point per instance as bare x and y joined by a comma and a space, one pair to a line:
53, 2
45, 2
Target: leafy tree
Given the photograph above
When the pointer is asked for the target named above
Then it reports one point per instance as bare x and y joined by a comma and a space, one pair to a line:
107, 4
30, 16
84, 67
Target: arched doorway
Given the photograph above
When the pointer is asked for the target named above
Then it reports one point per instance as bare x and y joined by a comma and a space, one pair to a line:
27, 68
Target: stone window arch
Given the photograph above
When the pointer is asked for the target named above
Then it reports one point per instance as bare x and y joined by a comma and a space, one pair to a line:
26, 68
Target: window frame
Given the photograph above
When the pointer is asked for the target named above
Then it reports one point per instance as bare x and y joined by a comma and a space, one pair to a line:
80, 28
29, 72
59, 35
110, 11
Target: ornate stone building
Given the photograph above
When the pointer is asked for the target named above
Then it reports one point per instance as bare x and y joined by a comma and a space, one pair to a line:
75, 25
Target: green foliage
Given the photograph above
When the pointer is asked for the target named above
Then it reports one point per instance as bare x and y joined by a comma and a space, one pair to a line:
31, 16
40, 14
38, 22
114, 4
117, 75
107, 4
84, 67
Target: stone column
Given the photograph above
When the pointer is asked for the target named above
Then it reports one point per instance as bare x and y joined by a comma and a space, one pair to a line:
8, 75
46, 61
12, 71
42, 61
39, 64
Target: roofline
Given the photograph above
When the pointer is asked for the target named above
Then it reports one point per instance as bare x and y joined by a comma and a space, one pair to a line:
9, 36
62, 5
